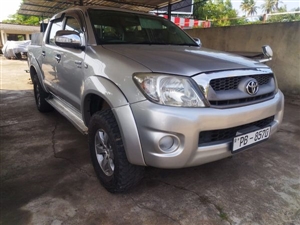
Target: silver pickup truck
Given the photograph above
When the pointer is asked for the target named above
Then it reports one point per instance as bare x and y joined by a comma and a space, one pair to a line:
148, 94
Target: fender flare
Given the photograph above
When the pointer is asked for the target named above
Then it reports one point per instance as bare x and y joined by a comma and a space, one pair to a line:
105, 89
121, 109
33, 62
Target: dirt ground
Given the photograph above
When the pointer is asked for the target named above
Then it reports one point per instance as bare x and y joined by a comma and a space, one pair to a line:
47, 177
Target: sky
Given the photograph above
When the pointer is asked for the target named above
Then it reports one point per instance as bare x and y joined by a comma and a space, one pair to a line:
291, 4
9, 7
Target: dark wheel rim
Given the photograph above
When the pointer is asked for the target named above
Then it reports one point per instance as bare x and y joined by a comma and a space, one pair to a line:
104, 152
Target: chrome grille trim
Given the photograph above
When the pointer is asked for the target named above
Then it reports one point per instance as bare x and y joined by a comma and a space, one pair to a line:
227, 89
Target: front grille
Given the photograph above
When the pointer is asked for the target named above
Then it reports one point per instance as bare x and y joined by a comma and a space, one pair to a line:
231, 83
209, 137
241, 101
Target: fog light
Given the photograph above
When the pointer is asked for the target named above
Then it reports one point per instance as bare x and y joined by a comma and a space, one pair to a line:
168, 143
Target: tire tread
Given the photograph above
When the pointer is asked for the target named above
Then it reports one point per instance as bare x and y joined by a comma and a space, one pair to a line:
128, 175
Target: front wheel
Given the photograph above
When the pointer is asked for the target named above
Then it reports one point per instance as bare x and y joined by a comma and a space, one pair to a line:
108, 154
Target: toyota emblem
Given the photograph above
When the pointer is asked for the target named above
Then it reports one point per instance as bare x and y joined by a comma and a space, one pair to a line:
252, 87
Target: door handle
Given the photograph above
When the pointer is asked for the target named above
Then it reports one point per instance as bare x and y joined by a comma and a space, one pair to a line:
78, 62
58, 57
43, 53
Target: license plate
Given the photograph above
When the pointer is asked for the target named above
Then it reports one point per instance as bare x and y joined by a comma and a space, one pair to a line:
245, 140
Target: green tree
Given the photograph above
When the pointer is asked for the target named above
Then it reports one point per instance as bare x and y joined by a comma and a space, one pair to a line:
252, 8
249, 7
270, 6
284, 17
244, 6
198, 4
276, 2
22, 19
218, 11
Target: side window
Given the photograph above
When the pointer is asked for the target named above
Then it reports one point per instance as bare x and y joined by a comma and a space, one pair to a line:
109, 33
55, 26
73, 25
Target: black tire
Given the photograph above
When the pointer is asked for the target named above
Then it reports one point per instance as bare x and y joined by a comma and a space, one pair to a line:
18, 55
124, 175
40, 97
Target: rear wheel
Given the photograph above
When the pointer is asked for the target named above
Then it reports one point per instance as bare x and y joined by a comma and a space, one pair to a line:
40, 97
18, 55
108, 154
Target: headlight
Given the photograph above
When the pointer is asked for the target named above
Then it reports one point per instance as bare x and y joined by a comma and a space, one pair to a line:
169, 90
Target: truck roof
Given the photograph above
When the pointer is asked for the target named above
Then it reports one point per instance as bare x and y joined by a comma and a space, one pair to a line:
85, 8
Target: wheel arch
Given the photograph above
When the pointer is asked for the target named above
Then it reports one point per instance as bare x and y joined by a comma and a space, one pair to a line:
100, 93
93, 103
36, 72
33, 73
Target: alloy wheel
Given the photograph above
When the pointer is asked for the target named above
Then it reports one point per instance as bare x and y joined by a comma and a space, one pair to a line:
104, 152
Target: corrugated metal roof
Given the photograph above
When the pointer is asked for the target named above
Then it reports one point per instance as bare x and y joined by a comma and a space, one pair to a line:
47, 8
21, 28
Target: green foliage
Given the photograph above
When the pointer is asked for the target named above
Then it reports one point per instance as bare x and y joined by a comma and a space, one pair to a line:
249, 7
198, 4
284, 17
22, 19
218, 11
270, 6
221, 13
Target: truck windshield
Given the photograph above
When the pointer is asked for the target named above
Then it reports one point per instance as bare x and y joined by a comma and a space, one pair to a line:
114, 27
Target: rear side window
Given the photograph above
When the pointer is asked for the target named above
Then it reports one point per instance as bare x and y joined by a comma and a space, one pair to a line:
56, 25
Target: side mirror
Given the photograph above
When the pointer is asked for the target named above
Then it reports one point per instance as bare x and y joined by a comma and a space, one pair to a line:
198, 41
68, 39
268, 53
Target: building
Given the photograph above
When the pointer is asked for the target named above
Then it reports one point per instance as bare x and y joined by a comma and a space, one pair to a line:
14, 32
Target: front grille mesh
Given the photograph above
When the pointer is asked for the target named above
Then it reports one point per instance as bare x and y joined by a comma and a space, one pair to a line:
231, 83
241, 100
209, 137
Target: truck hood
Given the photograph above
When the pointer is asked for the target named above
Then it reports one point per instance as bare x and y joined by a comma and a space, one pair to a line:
183, 60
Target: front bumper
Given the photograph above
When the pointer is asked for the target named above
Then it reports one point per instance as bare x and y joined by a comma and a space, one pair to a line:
156, 121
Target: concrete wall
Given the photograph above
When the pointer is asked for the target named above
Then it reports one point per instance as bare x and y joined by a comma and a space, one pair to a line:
284, 39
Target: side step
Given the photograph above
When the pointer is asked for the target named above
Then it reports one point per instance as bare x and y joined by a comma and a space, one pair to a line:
69, 112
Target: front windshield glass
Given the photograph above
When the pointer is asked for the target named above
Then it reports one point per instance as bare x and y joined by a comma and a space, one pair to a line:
113, 27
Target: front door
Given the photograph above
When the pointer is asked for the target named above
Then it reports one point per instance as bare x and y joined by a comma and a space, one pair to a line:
71, 64
49, 62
